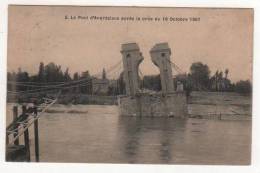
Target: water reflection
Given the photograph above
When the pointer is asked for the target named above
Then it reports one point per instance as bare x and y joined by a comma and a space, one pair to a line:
149, 139
130, 129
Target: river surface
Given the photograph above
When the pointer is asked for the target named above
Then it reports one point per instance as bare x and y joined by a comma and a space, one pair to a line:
102, 136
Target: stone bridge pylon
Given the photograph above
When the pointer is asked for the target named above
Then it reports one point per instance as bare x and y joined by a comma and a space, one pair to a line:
132, 57
167, 102
160, 54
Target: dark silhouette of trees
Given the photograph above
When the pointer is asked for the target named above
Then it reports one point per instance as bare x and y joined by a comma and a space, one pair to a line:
197, 79
121, 84
220, 83
199, 74
53, 73
86, 86
104, 76
20, 77
76, 76
243, 87
50, 73
152, 82
226, 73
67, 75
41, 74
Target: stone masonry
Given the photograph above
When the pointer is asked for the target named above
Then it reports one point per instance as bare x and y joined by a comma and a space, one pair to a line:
132, 57
167, 103
160, 54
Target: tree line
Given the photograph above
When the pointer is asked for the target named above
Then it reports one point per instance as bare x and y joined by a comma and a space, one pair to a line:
198, 78
49, 75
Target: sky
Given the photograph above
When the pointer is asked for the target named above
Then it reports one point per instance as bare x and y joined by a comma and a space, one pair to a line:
222, 38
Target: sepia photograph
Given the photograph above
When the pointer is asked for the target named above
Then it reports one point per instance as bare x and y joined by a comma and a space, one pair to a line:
129, 85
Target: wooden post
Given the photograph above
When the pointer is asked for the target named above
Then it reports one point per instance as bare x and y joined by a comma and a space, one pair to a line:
27, 142
26, 134
7, 139
23, 110
36, 136
15, 115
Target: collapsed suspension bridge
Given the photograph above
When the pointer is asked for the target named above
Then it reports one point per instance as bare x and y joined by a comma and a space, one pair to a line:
30, 115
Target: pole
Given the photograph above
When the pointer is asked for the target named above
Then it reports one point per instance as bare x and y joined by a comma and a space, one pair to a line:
15, 115
7, 139
27, 143
26, 135
36, 136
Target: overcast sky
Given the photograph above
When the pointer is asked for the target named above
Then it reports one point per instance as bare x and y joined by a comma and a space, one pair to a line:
222, 38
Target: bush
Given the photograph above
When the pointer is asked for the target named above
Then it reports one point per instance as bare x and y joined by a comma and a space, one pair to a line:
243, 87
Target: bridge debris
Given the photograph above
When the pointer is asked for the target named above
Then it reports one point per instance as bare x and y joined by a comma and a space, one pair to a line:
20, 126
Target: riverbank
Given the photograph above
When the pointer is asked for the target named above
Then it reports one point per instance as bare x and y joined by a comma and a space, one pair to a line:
220, 105
66, 99
205, 105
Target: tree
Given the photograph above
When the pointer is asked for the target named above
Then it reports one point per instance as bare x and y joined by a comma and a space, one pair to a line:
76, 76
104, 76
220, 81
199, 74
121, 84
152, 82
53, 73
243, 87
67, 75
11, 77
227, 82
226, 73
87, 85
41, 75
22, 77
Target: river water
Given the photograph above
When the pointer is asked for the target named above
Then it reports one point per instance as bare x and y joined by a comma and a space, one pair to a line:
102, 136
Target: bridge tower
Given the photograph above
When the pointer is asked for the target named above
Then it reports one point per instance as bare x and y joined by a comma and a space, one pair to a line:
135, 103
160, 54
132, 57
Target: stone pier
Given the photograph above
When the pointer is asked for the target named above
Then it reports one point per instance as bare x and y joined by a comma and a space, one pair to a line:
154, 105
167, 103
